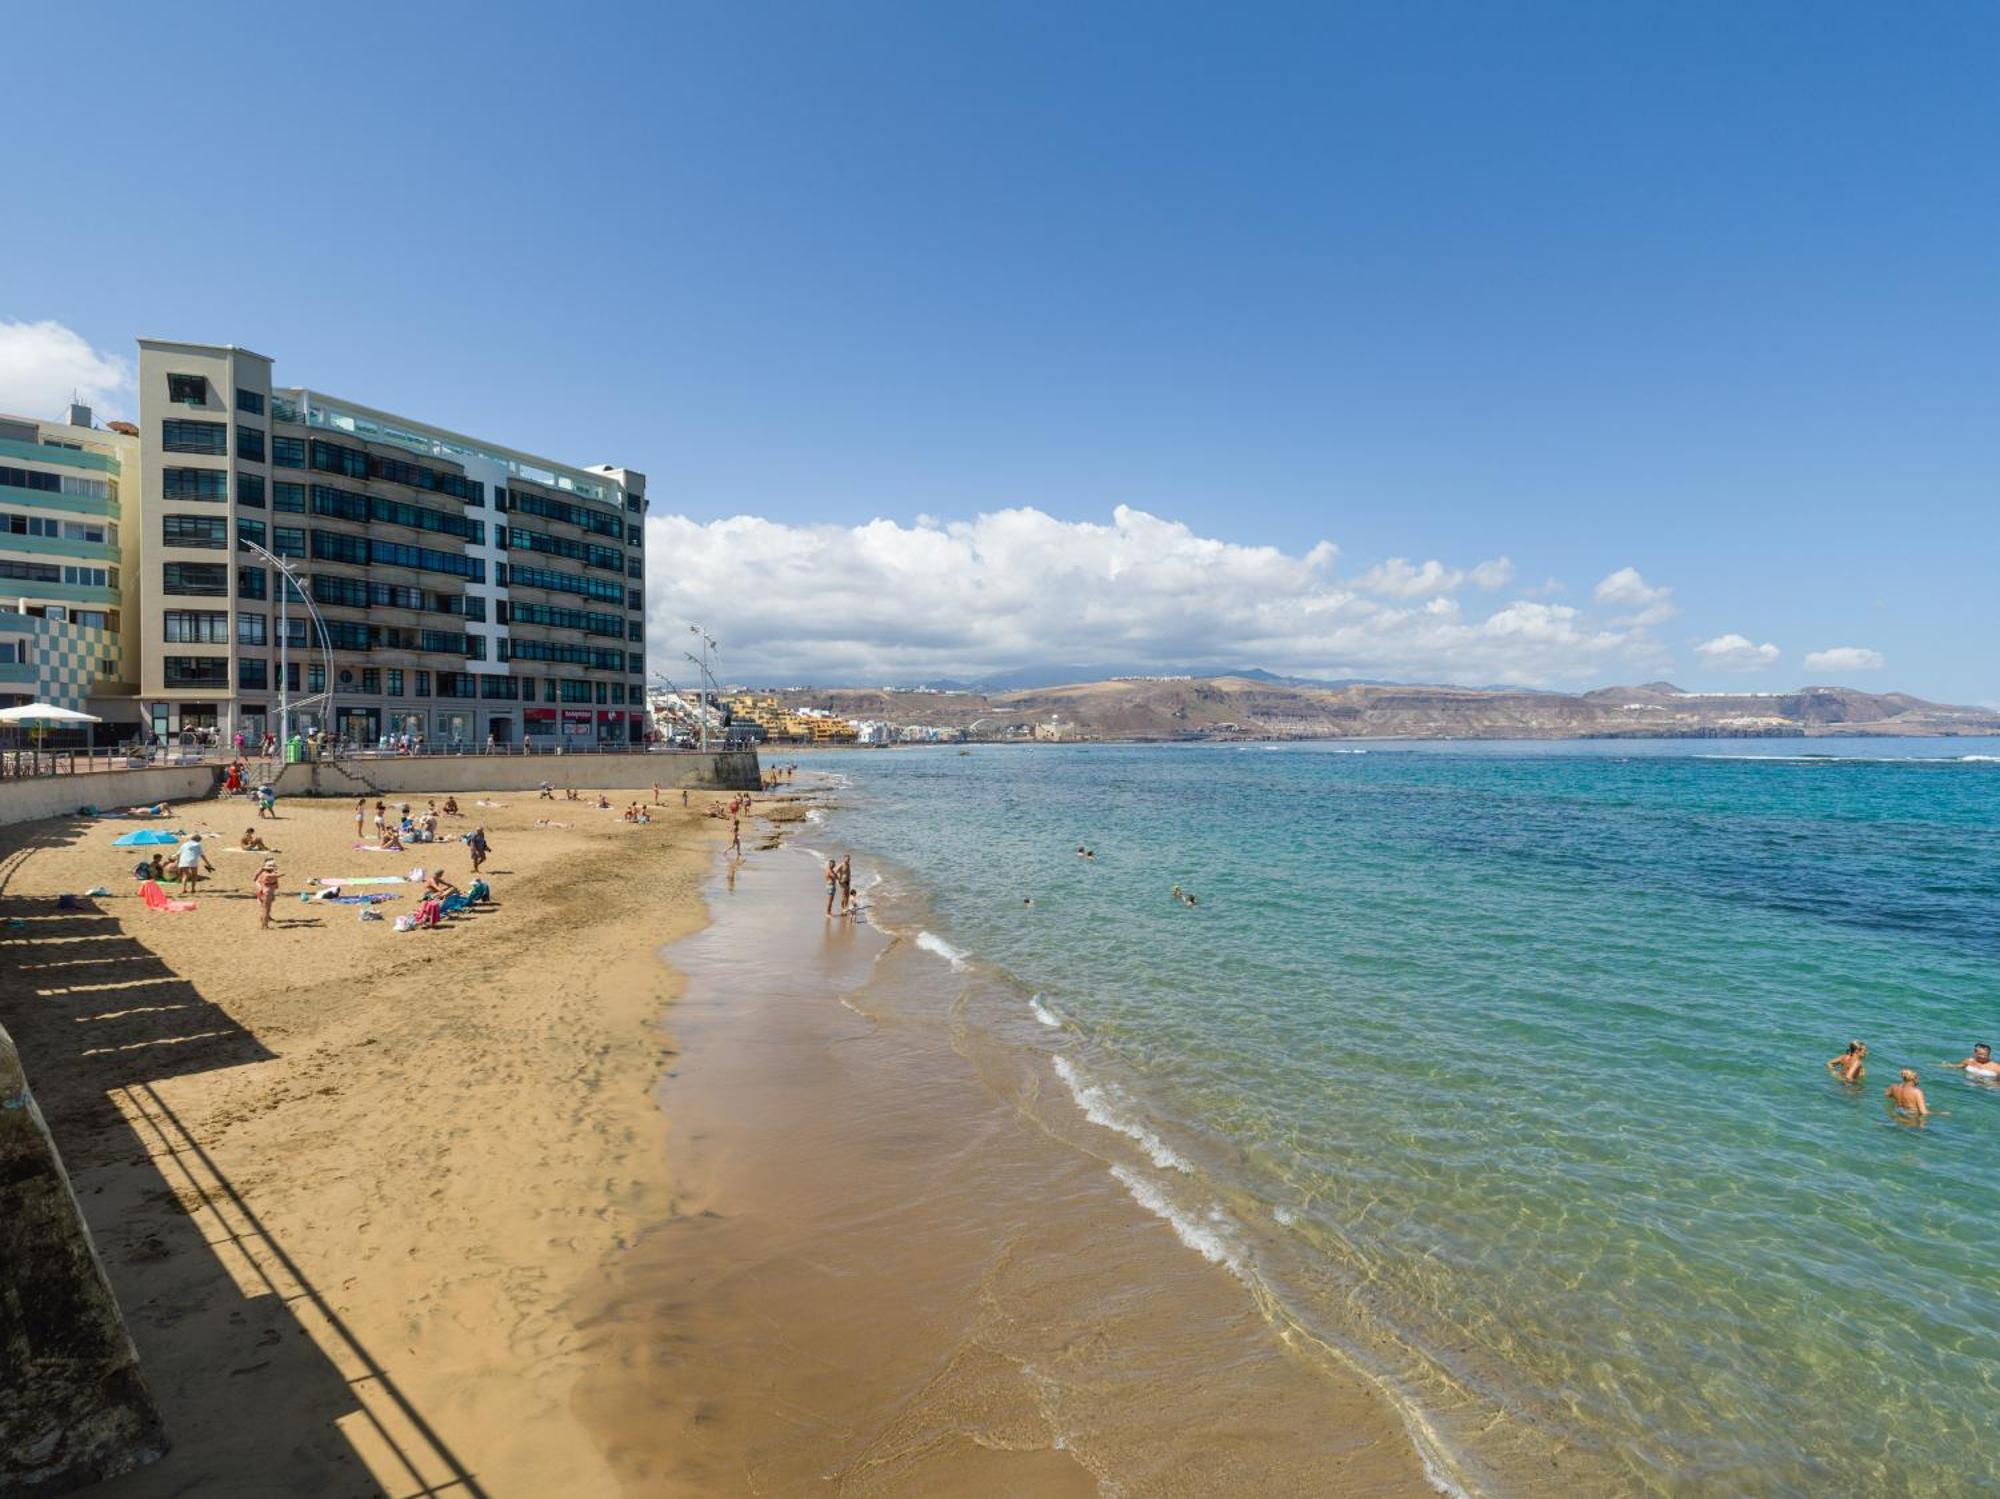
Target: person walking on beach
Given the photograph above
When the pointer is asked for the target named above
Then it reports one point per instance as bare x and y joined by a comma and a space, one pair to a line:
193, 859
1980, 1064
475, 843
1849, 1065
266, 887
1906, 1096
736, 835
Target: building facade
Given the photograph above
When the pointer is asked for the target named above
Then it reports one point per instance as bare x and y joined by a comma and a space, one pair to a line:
64, 620
447, 588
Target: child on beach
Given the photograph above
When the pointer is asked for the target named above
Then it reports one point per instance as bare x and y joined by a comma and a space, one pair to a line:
266, 887
253, 842
360, 813
475, 842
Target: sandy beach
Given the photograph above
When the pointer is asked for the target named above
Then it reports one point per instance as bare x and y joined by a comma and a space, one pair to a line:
346, 1180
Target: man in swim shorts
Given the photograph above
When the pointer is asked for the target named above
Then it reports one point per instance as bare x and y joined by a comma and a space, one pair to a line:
1906, 1096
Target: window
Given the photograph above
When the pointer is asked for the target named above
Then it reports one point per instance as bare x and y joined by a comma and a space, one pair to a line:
288, 541
574, 691
423, 684
286, 496
253, 672
603, 694
548, 689
250, 490
250, 443
196, 671
205, 579
395, 681
207, 531
249, 402
249, 629
194, 483
196, 627
562, 510
635, 598
187, 390
457, 684
211, 438
291, 676
635, 631
371, 680
288, 452
251, 530
249, 582
91, 577
30, 525
316, 678
33, 572
618, 692
501, 688
540, 577
345, 504
634, 661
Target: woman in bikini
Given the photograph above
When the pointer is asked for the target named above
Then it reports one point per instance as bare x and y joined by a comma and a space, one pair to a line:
266, 887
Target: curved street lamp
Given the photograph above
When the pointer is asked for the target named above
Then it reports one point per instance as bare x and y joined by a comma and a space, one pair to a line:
292, 577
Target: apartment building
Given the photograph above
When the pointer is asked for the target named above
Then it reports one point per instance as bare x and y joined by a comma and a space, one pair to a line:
63, 620
373, 574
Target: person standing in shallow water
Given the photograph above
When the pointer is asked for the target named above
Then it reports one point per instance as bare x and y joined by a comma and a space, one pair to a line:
1850, 1066
832, 884
1907, 1097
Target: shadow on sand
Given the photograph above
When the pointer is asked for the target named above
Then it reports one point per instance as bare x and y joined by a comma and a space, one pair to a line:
261, 1386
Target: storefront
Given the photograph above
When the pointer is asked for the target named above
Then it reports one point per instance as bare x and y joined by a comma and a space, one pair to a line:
454, 729
577, 726
362, 725
540, 723
500, 728
611, 726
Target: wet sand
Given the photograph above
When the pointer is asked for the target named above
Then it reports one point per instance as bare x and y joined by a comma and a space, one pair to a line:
888, 1270
346, 1181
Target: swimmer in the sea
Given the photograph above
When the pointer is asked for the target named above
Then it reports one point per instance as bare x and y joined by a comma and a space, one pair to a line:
1980, 1064
1906, 1096
1849, 1065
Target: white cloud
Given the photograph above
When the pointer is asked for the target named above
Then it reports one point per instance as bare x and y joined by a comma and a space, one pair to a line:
1627, 589
43, 364
1737, 653
885, 602
1846, 658
1398, 578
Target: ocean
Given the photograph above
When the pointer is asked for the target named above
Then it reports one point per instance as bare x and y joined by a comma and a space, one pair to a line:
1495, 1072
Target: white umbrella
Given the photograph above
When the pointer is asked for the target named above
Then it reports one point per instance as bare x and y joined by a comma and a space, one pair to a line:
40, 716
45, 716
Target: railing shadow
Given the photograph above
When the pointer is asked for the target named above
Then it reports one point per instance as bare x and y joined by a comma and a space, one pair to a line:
262, 1387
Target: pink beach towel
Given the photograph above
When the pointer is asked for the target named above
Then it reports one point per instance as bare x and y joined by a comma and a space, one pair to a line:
159, 900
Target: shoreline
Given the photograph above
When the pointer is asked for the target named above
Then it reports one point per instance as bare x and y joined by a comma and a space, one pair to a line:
891, 1271
345, 1181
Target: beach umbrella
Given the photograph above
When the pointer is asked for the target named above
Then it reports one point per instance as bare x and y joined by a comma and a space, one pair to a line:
144, 838
39, 716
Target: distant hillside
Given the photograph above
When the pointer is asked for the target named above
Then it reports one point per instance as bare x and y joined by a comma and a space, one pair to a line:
1272, 708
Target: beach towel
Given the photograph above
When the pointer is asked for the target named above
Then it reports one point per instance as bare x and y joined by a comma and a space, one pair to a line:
453, 903
357, 900
430, 913
361, 879
159, 900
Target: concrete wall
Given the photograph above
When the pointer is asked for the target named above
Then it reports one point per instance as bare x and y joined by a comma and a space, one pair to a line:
73, 1408
726, 770
60, 796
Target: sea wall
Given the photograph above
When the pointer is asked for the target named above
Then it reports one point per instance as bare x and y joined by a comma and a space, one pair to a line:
73, 1408
420, 775
60, 796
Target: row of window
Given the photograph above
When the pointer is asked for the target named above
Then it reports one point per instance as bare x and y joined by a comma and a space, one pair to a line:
589, 553
555, 582
210, 438
210, 532
35, 479
364, 551
253, 672
552, 509
55, 527
365, 593
558, 618
357, 463
563, 653
345, 504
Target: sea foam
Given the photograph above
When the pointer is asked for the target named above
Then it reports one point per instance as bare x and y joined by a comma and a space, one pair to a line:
932, 943
1102, 1106
1205, 1239
1044, 1014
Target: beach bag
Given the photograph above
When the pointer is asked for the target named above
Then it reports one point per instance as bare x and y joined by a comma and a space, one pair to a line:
406, 922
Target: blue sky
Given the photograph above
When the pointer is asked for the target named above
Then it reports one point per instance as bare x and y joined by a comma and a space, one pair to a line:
1704, 291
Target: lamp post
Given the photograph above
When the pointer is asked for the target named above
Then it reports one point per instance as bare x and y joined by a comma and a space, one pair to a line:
291, 577
707, 644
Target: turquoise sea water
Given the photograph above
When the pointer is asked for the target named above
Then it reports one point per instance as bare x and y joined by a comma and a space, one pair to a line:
1500, 1069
